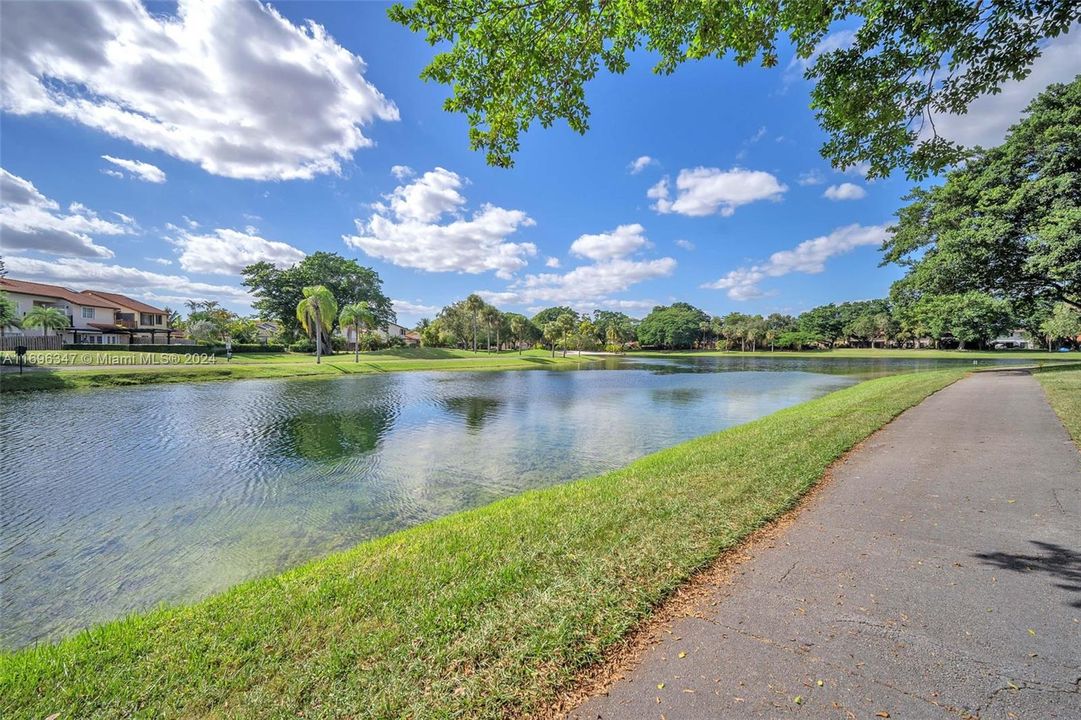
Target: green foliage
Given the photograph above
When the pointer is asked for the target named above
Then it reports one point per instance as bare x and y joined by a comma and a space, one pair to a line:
970, 318
279, 291
46, 318
512, 64
547, 315
1063, 324
9, 312
1009, 222
674, 326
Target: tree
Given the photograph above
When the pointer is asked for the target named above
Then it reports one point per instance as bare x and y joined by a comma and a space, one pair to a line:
474, 305
522, 330
1009, 222
673, 326
492, 317
513, 64
552, 332
776, 325
566, 324
823, 322
46, 318
316, 313
1064, 323
968, 318
9, 313
278, 291
354, 315
614, 328
585, 333
547, 315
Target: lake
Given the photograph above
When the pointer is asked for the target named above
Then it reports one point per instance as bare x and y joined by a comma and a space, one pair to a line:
115, 500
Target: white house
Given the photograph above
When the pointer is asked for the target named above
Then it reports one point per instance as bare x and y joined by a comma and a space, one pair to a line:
388, 331
90, 318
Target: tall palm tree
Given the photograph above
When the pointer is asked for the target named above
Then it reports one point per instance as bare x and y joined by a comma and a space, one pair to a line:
46, 318
354, 316
491, 317
517, 327
316, 314
474, 304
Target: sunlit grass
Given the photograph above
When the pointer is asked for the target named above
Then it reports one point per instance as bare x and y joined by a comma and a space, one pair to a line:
925, 354
480, 614
1063, 388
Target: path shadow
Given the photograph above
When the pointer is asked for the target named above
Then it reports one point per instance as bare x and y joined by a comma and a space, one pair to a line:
1062, 564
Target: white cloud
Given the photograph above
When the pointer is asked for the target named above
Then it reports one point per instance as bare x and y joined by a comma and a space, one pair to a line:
152, 286
685, 244
113, 173
809, 257
705, 191
411, 230
990, 116
31, 221
811, 177
552, 262
860, 169
585, 285
232, 86
228, 252
834, 41
845, 191
620, 242
640, 163
414, 309
142, 170
126, 219
159, 261
401, 172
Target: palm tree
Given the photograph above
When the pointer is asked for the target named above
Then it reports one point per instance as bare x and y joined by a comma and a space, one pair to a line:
316, 313
517, 326
474, 304
491, 316
46, 318
354, 316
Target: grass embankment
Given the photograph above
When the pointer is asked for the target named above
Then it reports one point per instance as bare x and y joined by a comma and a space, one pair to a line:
862, 353
480, 614
61, 375
1063, 388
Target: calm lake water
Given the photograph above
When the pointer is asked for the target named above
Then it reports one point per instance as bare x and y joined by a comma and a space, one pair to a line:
116, 500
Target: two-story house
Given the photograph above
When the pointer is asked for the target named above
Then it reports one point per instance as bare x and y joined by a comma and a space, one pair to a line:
142, 323
90, 318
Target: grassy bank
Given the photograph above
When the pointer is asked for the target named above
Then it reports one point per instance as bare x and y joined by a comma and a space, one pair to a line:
480, 614
863, 353
61, 376
1063, 388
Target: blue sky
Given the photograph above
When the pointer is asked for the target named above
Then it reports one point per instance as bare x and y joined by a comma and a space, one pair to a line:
216, 157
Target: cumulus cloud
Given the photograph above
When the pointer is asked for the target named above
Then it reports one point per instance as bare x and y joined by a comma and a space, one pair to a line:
809, 257
414, 309
401, 172
552, 262
151, 286
31, 221
228, 252
640, 163
423, 225
233, 86
141, 170
845, 191
622, 241
705, 191
990, 116
685, 244
611, 272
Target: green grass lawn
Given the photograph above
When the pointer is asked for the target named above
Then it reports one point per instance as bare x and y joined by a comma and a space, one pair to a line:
480, 614
1063, 388
61, 374
875, 353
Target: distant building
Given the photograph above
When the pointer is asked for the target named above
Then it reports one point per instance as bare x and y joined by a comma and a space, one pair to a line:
1016, 339
94, 317
388, 331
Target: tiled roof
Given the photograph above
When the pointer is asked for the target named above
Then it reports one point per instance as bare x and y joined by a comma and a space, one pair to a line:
26, 287
125, 301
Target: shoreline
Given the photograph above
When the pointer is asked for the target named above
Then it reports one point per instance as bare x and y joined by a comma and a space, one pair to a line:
490, 610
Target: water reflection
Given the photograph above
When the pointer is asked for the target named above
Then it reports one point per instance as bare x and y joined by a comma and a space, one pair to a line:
120, 499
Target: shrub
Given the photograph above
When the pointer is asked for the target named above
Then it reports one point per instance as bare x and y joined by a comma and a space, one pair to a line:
304, 345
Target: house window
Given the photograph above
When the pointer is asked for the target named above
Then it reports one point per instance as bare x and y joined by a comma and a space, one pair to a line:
88, 313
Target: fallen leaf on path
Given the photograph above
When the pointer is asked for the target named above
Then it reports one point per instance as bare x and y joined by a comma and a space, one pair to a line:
798, 699
683, 654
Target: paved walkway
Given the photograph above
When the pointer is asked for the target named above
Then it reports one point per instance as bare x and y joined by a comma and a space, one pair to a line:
937, 575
